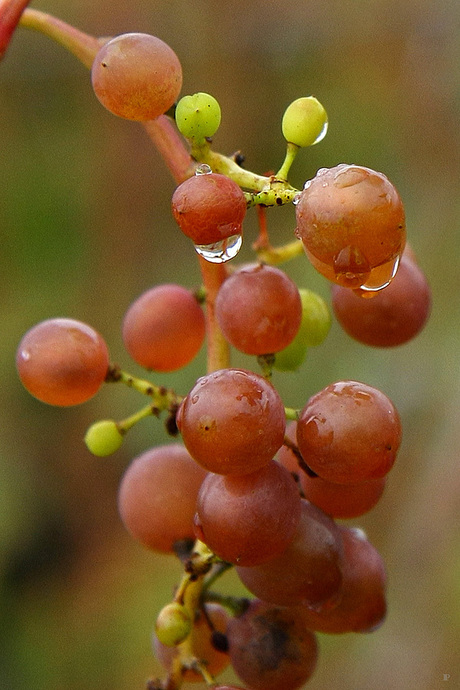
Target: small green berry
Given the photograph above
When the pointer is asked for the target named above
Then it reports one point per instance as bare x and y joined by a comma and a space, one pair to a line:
173, 624
316, 318
314, 327
304, 122
292, 357
198, 116
103, 438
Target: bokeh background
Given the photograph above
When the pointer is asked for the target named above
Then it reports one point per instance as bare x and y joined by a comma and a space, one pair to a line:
86, 226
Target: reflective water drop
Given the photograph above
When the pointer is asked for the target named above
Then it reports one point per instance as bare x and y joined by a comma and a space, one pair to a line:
322, 134
203, 169
351, 267
297, 198
222, 251
308, 184
379, 278
349, 175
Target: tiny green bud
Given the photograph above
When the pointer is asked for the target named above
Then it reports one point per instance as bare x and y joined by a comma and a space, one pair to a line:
304, 122
198, 116
103, 438
173, 624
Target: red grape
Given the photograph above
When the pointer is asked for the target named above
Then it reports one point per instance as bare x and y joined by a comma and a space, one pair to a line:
309, 569
362, 607
248, 519
136, 76
336, 500
342, 501
259, 309
209, 208
393, 316
157, 496
164, 328
62, 361
349, 432
232, 421
271, 647
352, 224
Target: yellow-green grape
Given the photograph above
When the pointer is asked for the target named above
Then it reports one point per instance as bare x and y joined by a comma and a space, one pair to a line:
173, 624
316, 318
198, 116
103, 438
314, 327
304, 122
292, 357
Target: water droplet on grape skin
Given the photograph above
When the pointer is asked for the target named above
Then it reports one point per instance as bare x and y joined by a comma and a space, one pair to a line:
222, 251
348, 175
203, 169
297, 197
351, 267
379, 278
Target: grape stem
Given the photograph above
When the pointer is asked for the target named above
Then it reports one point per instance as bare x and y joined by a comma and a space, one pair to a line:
80, 44
163, 398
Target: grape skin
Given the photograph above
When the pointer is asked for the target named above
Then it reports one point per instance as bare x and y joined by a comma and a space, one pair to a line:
248, 519
62, 361
351, 221
164, 328
209, 208
136, 76
157, 496
232, 421
337, 500
349, 432
392, 317
271, 647
309, 569
362, 607
259, 309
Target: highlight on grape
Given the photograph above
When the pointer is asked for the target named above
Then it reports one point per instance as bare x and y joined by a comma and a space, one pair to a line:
247, 482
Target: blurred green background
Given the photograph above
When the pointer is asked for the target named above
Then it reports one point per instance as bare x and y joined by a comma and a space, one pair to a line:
86, 226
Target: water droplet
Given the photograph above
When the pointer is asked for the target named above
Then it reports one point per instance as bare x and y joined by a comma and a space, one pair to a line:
222, 251
351, 267
380, 277
203, 169
308, 184
349, 175
297, 197
322, 134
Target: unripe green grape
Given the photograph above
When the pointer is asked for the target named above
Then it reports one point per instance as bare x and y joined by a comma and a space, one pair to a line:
198, 116
173, 624
304, 122
103, 438
314, 327
292, 357
316, 318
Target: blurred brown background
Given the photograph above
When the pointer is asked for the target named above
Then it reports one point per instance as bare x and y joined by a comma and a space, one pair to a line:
86, 226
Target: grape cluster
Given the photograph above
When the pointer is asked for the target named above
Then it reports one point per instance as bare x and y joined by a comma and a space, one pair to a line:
242, 487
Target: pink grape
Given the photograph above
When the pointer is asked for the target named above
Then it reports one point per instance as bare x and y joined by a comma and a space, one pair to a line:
136, 76
62, 361
164, 328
